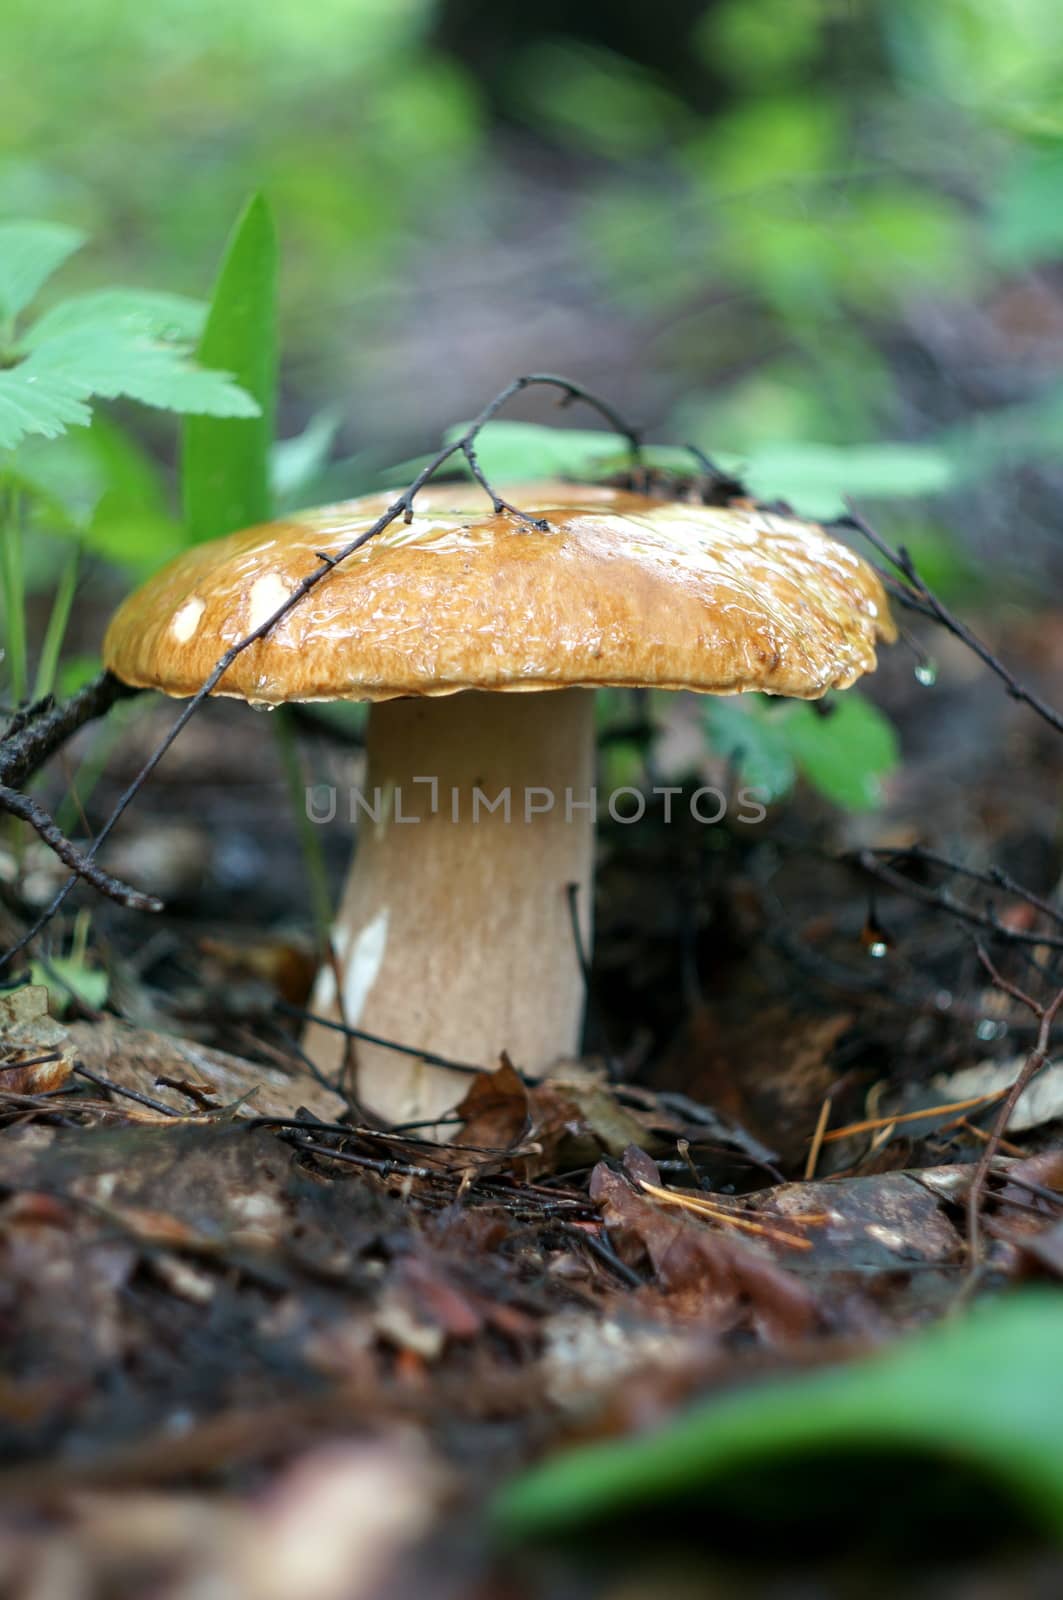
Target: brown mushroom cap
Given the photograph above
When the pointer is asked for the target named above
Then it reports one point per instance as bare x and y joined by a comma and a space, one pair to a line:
623, 589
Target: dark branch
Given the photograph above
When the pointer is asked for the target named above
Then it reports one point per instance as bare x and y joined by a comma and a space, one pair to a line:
27, 810
20, 718
35, 734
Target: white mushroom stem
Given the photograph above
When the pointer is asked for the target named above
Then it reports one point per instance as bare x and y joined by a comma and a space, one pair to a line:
454, 935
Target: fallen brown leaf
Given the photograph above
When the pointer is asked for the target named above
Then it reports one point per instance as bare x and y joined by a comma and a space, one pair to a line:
36, 1055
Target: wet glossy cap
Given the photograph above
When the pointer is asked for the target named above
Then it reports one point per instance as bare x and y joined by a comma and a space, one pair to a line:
622, 589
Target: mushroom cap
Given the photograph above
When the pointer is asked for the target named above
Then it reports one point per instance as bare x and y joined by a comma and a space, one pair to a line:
622, 589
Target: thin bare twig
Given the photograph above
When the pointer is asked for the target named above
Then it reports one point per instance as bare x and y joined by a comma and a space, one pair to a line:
915, 594
101, 1082
718, 485
992, 877
298, 1014
22, 1065
818, 1137
1046, 1014
943, 900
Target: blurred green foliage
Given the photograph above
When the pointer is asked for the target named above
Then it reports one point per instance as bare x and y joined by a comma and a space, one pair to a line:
840, 165
147, 126
818, 478
790, 221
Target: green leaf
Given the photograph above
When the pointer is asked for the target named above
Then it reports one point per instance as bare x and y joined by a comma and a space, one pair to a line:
132, 313
108, 363
47, 392
844, 755
88, 983
225, 464
746, 733
984, 1391
29, 253
34, 402
818, 477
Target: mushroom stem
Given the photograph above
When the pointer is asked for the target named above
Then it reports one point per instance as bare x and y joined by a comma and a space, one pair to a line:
454, 934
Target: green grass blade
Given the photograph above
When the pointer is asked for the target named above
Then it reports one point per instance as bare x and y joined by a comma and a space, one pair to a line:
13, 587
225, 461
55, 633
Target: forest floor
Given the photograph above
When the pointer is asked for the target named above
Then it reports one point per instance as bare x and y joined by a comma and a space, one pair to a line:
253, 1347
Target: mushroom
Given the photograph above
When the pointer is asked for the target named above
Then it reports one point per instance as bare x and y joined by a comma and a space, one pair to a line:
454, 933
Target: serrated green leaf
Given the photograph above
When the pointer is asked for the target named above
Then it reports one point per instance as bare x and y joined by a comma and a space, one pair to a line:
983, 1390
132, 313
109, 364
742, 731
43, 403
844, 755
47, 392
225, 465
29, 253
